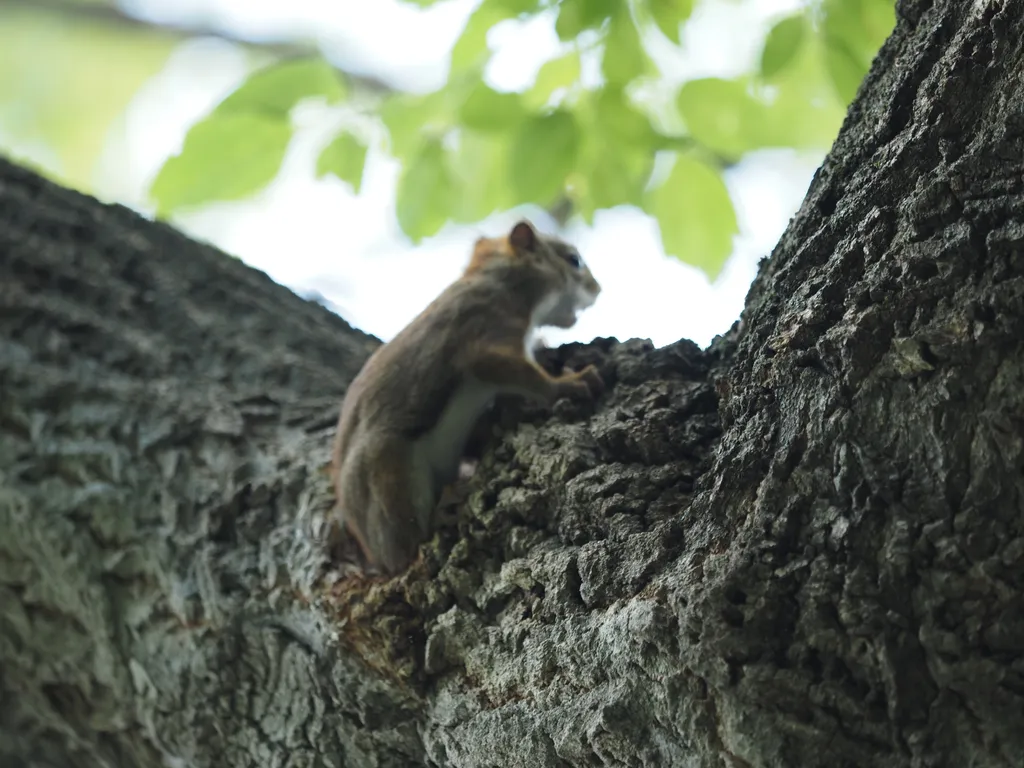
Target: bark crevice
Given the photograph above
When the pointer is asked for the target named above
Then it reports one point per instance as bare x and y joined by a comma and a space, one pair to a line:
802, 546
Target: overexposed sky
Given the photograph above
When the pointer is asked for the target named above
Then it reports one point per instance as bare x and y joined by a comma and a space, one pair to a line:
315, 236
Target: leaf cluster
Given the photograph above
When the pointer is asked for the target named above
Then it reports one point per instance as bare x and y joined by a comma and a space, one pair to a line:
467, 150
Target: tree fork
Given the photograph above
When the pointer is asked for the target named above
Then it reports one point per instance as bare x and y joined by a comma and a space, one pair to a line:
801, 547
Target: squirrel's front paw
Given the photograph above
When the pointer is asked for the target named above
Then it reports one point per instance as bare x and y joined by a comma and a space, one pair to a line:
592, 378
585, 384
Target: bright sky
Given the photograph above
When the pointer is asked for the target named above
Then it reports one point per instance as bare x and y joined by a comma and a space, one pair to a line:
315, 236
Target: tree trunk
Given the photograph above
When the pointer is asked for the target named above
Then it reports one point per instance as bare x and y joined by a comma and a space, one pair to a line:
801, 547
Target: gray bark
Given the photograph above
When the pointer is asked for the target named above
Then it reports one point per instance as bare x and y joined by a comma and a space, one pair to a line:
801, 547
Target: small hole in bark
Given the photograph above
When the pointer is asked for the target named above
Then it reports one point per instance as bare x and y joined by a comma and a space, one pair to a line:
732, 616
66, 700
1013, 682
814, 665
928, 356
924, 270
985, 314
735, 673
827, 203
736, 596
225, 532
860, 298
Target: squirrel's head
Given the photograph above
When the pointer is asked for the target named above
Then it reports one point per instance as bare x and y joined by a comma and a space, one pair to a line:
560, 284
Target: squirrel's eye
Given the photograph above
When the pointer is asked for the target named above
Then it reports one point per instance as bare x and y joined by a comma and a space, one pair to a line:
574, 259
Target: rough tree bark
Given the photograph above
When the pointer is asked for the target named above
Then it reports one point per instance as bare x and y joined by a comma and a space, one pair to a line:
801, 547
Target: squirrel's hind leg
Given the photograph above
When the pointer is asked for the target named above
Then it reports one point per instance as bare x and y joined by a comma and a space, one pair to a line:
400, 503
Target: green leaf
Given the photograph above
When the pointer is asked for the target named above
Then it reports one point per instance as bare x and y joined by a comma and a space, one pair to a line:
852, 31
669, 15
616, 116
731, 117
574, 16
619, 177
879, 18
560, 72
570, 19
471, 49
624, 57
519, 7
782, 44
543, 153
617, 153
480, 172
425, 192
224, 157
274, 90
718, 114
863, 24
844, 68
345, 157
610, 175
488, 110
514, 6
804, 111
410, 119
595, 12
695, 215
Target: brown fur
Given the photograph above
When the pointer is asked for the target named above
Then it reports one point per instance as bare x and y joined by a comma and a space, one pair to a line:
407, 415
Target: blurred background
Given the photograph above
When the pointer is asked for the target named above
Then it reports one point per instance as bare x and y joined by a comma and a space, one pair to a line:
354, 150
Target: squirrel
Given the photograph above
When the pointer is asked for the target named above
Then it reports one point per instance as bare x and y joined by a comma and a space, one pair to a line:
408, 414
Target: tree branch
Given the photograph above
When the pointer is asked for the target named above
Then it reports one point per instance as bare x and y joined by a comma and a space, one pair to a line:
111, 15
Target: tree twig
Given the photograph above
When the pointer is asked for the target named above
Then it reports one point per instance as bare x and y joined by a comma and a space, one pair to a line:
111, 15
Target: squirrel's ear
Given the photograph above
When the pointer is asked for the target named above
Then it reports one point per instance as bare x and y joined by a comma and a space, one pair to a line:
523, 237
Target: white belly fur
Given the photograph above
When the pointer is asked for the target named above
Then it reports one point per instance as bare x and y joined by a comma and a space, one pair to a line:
441, 448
